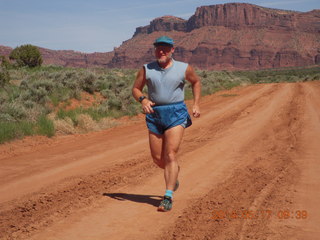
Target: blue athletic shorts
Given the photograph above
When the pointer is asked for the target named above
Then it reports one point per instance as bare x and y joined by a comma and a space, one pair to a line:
168, 116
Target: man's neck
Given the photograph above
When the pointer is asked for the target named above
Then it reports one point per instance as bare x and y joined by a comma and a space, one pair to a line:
166, 64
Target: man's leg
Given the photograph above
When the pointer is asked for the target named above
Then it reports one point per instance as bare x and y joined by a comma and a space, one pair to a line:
170, 147
156, 145
172, 140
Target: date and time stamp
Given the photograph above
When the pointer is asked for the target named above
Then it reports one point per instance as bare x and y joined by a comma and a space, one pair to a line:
260, 214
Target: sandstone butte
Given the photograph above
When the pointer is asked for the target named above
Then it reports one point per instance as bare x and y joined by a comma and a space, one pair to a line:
218, 37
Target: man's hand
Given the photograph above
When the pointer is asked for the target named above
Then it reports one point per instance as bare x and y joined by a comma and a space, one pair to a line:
147, 106
196, 111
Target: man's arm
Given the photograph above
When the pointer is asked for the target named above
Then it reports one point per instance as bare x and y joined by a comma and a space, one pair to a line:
137, 91
193, 78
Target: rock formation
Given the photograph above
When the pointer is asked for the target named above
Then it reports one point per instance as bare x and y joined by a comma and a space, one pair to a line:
225, 36
231, 36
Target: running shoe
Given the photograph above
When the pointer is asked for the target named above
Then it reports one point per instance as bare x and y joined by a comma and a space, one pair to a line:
165, 205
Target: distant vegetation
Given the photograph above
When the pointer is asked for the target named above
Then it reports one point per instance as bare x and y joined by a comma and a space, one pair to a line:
213, 81
34, 101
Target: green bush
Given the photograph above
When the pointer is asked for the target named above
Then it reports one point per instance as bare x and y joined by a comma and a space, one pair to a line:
26, 55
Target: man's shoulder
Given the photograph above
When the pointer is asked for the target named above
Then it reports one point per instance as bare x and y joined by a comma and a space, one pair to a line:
151, 65
181, 64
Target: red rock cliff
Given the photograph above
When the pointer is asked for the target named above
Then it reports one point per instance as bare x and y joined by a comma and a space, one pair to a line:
225, 36
231, 36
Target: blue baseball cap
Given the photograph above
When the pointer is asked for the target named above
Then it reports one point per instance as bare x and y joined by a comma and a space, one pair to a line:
163, 41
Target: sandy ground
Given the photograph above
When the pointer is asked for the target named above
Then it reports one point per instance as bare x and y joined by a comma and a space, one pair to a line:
249, 170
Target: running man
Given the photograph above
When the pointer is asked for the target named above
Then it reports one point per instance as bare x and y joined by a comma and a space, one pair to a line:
166, 113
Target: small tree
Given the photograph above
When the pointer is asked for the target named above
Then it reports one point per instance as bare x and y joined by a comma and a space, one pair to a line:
26, 55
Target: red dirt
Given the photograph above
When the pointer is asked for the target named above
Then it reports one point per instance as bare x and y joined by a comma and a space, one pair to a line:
87, 100
254, 149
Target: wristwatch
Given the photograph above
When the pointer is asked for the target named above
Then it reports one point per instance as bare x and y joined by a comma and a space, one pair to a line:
141, 98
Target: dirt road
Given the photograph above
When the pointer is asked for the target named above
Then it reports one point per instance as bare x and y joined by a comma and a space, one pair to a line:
249, 170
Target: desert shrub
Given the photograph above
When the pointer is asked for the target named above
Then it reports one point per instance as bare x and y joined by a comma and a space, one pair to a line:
24, 85
55, 98
29, 104
102, 83
36, 111
95, 113
46, 84
86, 122
35, 93
6, 117
71, 114
26, 55
15, 110
316, 77
128, 104
213, 81
229, 85
105, 93
68, 79
60, 95
133, 109
13, 93
88, 83
64, 126
114, 104
38, 95
76, 93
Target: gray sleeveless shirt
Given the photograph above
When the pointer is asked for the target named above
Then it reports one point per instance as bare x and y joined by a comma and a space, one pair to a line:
166, 86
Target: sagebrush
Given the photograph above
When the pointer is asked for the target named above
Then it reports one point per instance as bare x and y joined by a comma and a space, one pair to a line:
28, 95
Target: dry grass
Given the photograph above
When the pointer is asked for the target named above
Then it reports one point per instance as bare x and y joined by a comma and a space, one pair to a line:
64, 126
86, 123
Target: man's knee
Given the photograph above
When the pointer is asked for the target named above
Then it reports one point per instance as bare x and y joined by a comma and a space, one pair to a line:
170, 156
157, 160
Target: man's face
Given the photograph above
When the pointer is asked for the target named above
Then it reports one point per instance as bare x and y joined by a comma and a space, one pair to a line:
163, 53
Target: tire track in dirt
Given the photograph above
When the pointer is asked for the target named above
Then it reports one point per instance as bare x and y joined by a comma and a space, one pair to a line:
304, 219
277, 195
219, 119
247, 188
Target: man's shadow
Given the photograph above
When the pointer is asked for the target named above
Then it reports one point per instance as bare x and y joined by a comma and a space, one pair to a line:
153, 200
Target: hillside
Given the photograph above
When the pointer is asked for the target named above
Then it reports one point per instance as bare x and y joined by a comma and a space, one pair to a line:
225, 36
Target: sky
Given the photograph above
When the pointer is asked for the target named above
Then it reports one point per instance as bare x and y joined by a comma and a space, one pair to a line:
99, 25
